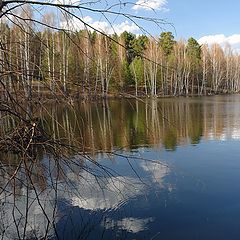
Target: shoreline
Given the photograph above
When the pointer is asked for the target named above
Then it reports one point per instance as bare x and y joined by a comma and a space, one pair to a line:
84, 98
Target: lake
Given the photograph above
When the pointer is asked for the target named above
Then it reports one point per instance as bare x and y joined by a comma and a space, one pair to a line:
144, 169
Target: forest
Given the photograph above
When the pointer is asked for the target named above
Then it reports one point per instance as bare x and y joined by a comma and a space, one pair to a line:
88, 150
50, 63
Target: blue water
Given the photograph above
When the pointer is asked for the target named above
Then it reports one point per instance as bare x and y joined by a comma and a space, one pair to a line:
190, 193
162, 169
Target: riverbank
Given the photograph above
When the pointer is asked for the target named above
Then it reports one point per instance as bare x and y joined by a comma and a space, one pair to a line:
47, 96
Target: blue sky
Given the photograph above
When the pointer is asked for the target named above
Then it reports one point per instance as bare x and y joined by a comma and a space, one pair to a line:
205, 17
208, 21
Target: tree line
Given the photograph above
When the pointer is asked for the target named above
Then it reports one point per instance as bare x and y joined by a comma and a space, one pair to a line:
89, 64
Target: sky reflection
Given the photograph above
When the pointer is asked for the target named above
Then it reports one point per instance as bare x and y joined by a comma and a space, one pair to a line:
175, 175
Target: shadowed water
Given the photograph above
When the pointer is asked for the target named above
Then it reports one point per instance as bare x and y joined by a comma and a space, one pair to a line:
145, 169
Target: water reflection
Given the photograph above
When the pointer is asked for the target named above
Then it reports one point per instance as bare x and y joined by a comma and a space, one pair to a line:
129, 124
63, 203
130, 224
105, 126
123, 185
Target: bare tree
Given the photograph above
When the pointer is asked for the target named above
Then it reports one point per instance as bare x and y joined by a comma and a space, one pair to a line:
23, 67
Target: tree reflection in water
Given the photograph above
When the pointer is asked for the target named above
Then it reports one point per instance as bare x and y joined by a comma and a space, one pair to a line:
92, 188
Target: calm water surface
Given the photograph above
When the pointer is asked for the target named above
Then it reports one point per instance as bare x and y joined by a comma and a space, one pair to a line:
166, 169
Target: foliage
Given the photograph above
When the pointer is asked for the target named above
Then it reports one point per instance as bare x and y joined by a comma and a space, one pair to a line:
166, 42
193, 49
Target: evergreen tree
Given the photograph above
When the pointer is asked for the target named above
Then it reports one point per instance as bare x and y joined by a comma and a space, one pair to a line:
193, 49
166, 42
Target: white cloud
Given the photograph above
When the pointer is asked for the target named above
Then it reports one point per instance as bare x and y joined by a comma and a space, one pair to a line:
14, 208
103, 26
107, 194
130, 224
157, 172
221, 39
125, 26
150, 4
